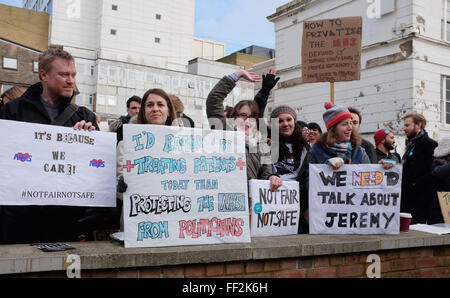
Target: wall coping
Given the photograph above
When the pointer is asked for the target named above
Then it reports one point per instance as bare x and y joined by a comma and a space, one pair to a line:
23, 258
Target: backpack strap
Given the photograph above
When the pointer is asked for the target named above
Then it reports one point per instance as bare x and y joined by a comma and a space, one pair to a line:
65, 115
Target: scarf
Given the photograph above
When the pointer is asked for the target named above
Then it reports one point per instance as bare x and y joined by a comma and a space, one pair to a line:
323, 153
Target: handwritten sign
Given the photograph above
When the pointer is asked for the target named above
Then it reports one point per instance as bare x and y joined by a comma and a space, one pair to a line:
54, 165
444, 201
356, 199
274, 213
331, 50
186, 186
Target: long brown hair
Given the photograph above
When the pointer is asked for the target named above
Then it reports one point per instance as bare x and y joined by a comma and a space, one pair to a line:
172, 114
252, 106
330, 138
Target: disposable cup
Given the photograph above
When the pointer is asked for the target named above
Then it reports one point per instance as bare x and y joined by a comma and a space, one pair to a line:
405, 221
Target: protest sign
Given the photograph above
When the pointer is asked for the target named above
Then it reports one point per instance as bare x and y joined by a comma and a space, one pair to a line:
356, 199
274, 213
186, 186
331, 50
55, 165
444, 202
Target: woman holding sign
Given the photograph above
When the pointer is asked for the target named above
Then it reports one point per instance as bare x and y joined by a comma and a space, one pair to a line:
244, 117
340, 144
156, 108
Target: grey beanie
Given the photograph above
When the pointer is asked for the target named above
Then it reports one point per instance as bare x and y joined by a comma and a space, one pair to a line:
283, 109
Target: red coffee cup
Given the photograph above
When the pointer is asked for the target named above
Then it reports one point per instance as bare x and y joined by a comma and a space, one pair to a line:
405, 221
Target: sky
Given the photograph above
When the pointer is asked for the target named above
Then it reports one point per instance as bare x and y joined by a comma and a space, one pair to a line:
237, 23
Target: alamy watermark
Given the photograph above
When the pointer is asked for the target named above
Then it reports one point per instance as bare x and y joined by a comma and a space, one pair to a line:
73, 266
374, 9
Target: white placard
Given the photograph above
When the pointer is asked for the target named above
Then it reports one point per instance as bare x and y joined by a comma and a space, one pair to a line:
186, 186
55, 165
356, 199
274, 213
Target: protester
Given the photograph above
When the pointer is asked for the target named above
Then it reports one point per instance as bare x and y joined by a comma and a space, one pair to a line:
158, 109
244, 118
385, 143
440, 177
269, 81
11, 93
417, 161
183, 119
133, 107
47, 102
368, 147
293, 156
314, 132
340, 144
304, 129
228, 111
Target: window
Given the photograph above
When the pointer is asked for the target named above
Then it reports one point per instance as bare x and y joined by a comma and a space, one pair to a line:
445, 99
9, 63
158, 16
446, 21
113, 31
35, 66
114, 7
157, 40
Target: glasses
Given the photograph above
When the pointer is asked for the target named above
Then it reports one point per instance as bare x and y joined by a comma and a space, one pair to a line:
244, 116
386, 131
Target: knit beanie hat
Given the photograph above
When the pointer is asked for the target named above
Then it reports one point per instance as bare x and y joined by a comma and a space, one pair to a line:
283, 109
335, 114
380, 135
443, 149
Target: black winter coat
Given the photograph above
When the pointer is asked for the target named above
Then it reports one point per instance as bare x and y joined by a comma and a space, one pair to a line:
416, 181
28, 224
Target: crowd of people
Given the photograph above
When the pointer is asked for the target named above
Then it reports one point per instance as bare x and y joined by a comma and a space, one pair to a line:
426, 164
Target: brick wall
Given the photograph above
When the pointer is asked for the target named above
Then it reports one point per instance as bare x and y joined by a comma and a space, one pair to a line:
24, 74
414, 262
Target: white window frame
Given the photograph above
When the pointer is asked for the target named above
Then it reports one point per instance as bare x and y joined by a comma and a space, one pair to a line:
6, 63
445, 85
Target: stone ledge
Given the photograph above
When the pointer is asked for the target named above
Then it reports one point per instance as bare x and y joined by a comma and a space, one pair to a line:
24, 258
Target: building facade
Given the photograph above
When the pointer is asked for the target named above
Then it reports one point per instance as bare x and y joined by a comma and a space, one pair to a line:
404, 63
125, 47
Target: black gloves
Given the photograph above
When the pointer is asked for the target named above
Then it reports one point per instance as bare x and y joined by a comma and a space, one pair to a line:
121, 185
268, 82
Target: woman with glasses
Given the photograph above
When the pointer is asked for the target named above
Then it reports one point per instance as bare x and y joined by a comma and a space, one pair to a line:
243, 117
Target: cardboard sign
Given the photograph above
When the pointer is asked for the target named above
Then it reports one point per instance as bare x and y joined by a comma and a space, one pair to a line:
331, 50
355, 199
186, 186
54, 165
444, 201
274, 213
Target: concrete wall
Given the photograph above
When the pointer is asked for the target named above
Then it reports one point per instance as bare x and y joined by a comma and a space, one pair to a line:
88, 26
114, 82
210, 68
412, 254
24, 75
208, 49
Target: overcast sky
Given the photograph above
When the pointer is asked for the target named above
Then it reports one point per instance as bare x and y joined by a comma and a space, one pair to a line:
237, 23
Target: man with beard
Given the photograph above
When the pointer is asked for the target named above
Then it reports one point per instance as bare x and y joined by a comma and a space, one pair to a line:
417, 163
385, 142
